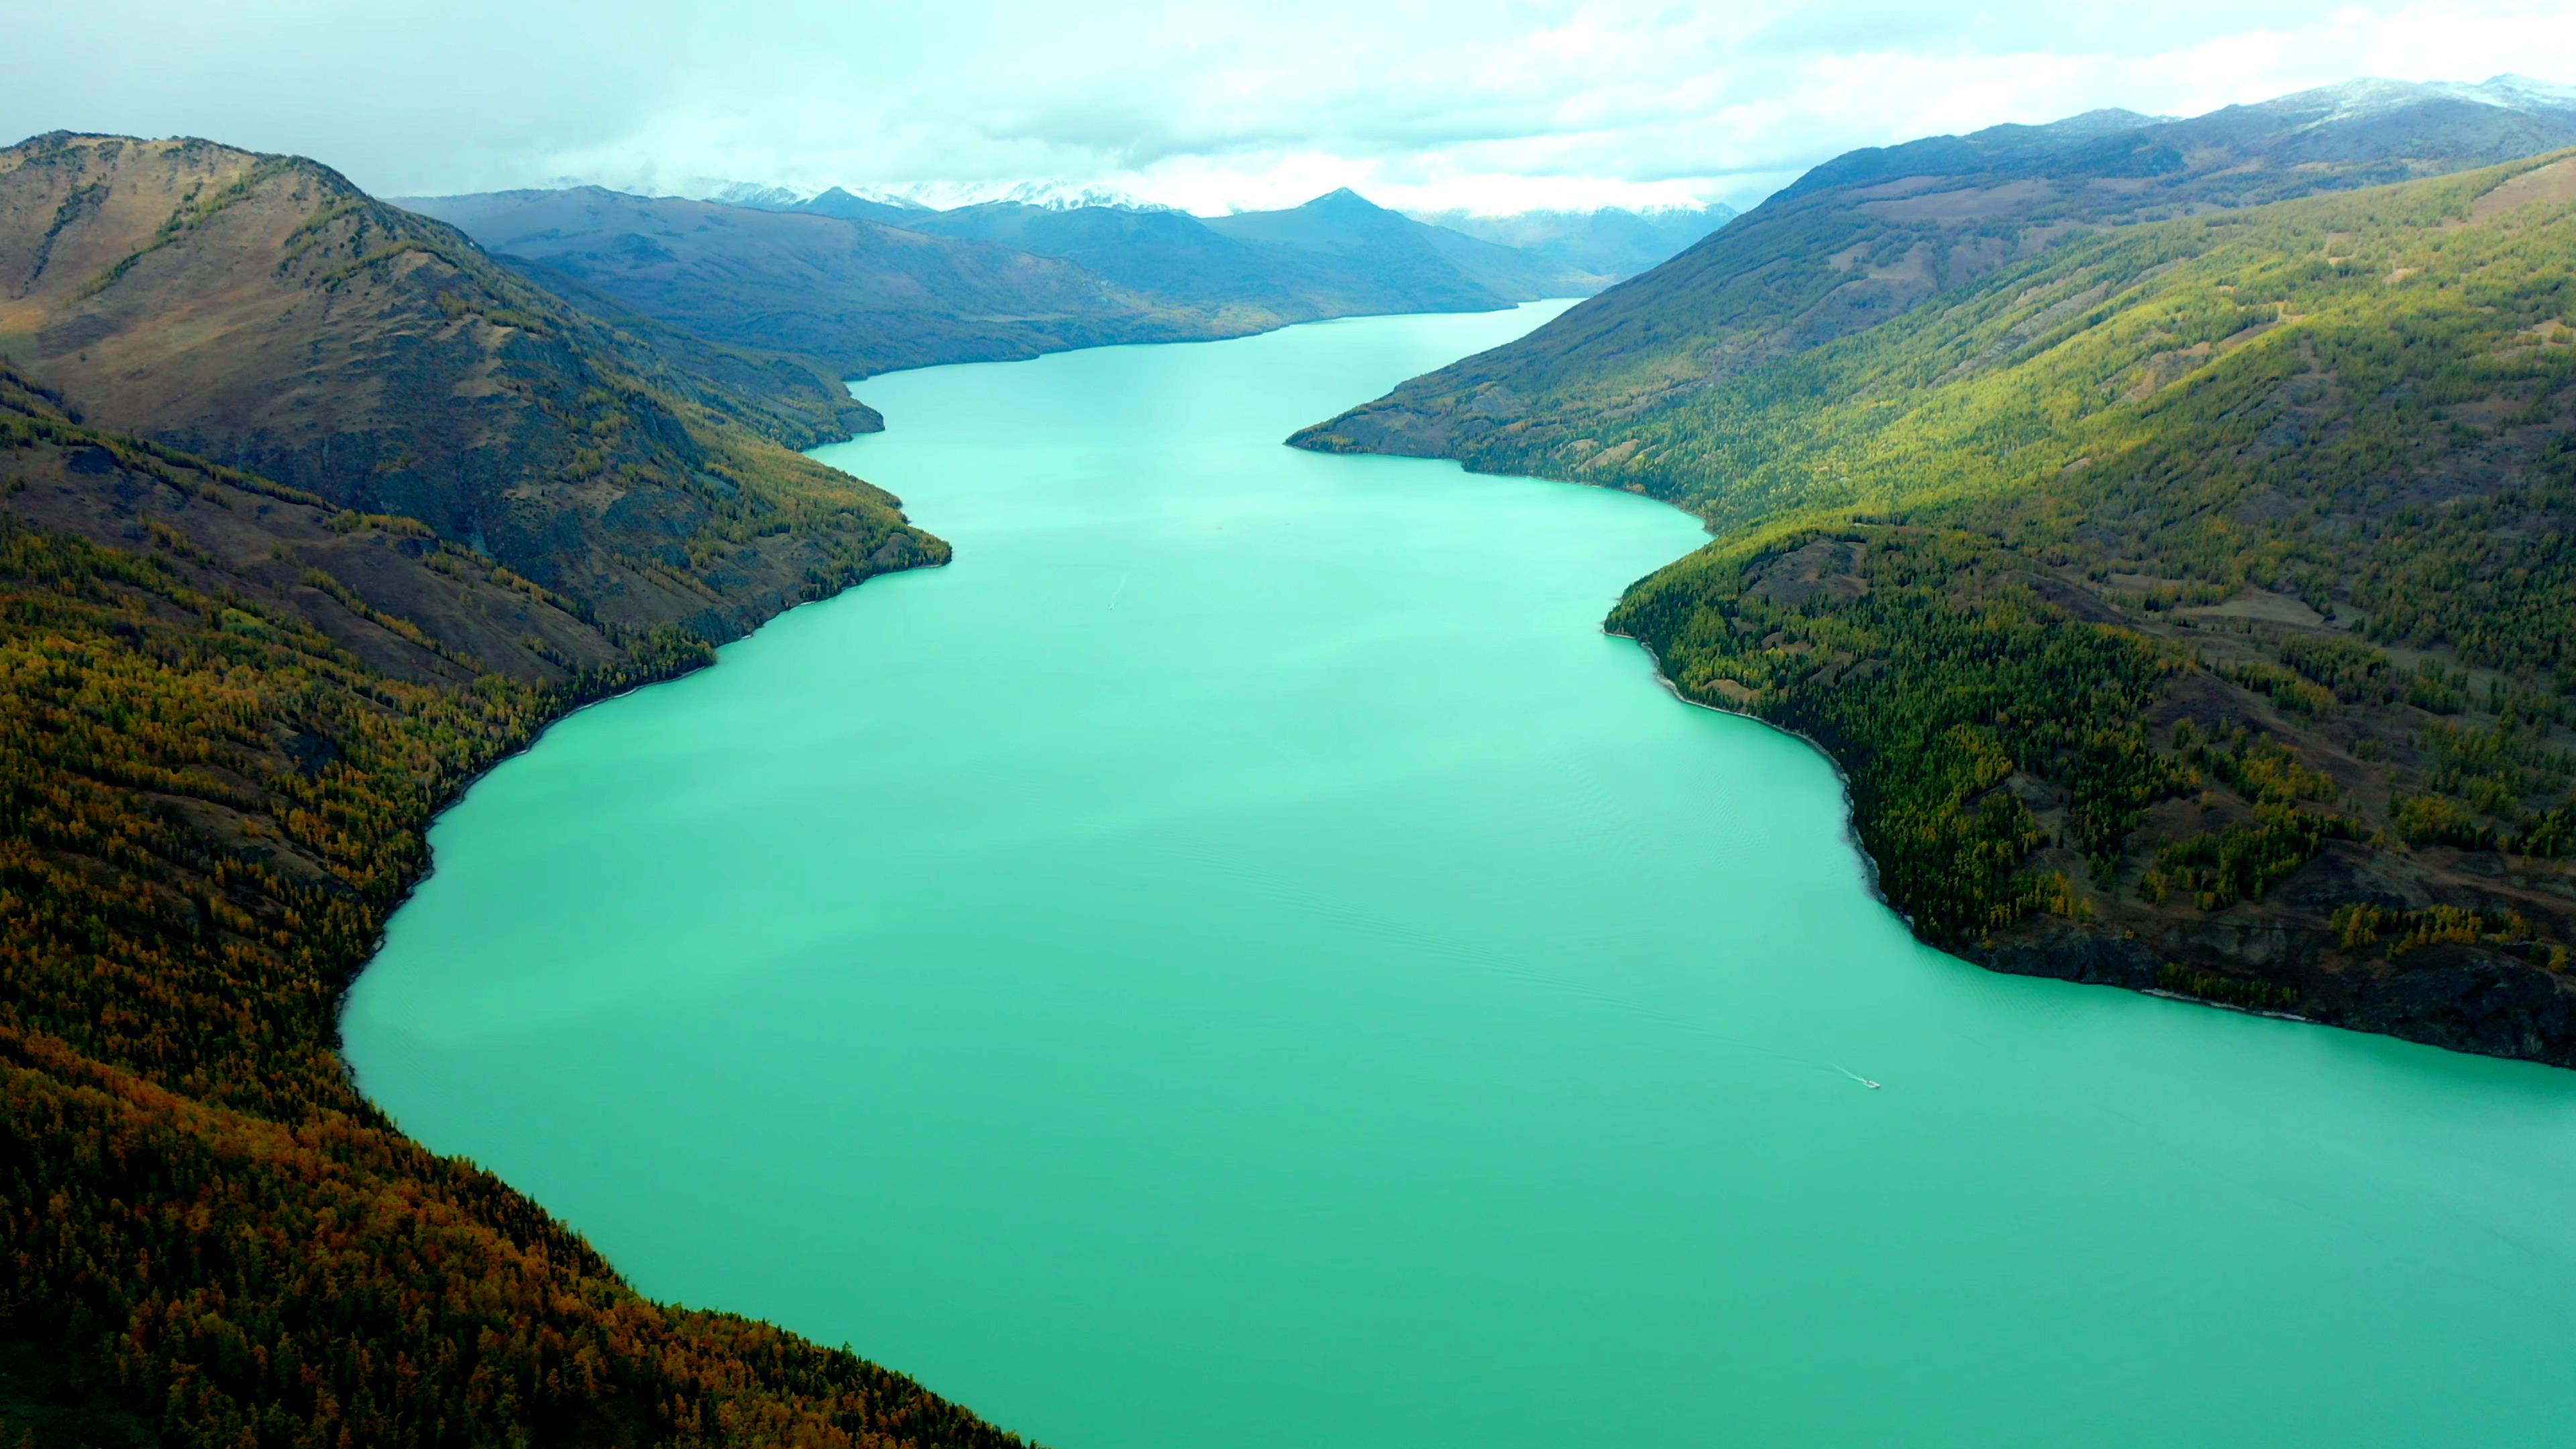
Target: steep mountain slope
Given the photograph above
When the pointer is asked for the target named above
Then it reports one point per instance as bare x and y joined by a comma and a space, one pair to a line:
860, 297
228, 708
1866, 236
263, 312
2191, 608
1612, 243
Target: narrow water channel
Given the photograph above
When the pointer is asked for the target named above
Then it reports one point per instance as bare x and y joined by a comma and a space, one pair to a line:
1239, 958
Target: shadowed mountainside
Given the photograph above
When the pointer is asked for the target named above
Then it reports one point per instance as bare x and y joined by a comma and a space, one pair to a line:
1354, 259
864, 287
1428, 268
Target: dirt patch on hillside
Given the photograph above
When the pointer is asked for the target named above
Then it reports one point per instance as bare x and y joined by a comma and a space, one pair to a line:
2554, 184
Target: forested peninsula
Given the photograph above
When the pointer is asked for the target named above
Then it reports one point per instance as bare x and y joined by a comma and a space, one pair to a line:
2181, 576
308, 513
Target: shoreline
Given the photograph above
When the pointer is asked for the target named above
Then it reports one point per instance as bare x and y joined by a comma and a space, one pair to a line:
455, 796
1851, 831
1851, 813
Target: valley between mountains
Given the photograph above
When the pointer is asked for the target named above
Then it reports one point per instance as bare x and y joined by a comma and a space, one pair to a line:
314, 508
2164, 523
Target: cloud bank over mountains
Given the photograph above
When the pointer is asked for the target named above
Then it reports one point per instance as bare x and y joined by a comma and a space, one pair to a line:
1480, 106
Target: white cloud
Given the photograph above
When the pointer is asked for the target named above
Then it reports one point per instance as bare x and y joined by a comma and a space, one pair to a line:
1205, 105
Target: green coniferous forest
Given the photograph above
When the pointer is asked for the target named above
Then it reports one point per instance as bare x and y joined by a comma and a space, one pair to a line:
2190, 608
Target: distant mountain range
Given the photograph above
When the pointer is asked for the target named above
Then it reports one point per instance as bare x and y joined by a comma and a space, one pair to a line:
1054, 195
1611, 242
862, 286
1581, 250
857, 296
264, 313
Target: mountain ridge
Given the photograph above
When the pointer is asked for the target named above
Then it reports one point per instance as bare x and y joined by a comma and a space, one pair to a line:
265, 312
855, 295
1870, 234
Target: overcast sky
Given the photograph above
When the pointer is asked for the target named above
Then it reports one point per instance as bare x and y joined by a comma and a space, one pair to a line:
1203, 104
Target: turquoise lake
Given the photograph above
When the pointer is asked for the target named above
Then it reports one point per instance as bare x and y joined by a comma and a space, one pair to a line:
1239, 958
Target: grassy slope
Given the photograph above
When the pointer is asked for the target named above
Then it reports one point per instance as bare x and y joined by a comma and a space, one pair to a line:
2191, 607
228, 708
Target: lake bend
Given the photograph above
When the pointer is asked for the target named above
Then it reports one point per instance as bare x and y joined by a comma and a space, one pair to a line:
1239, 957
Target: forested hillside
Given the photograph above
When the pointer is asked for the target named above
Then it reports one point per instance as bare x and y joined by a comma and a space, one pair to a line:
2190, 607
229, 705
1869, 235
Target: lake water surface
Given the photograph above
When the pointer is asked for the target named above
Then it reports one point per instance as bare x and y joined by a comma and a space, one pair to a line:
1240, 959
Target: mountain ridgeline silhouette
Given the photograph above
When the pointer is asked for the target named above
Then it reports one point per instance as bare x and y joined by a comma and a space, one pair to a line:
866, 286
